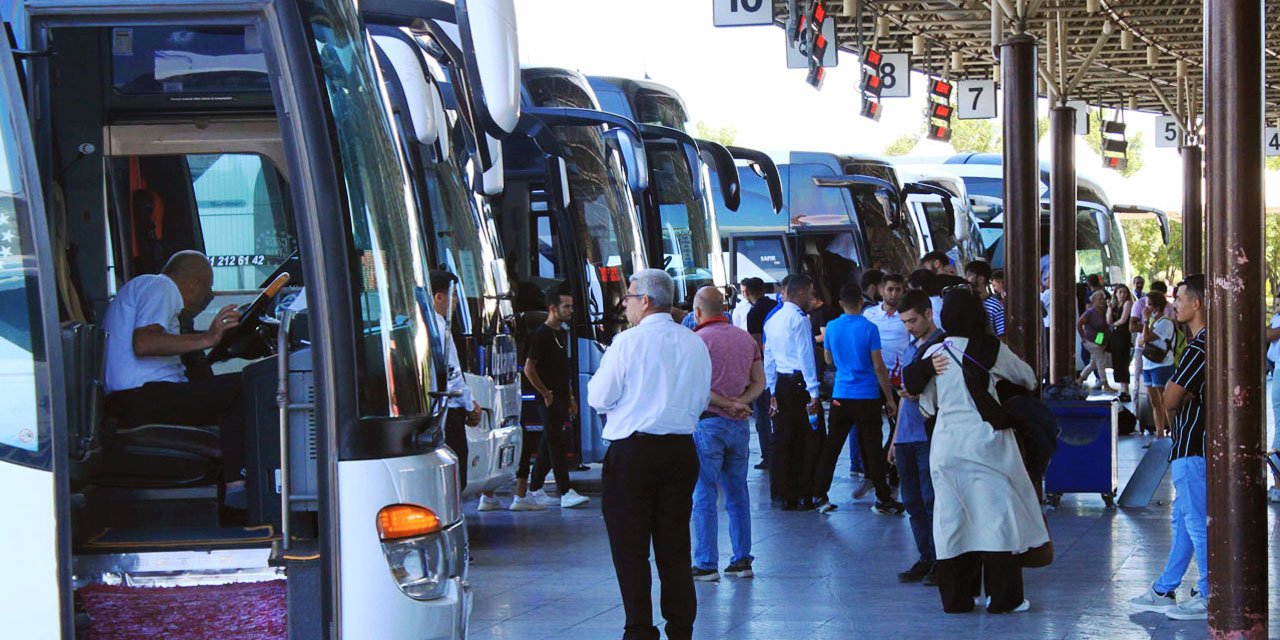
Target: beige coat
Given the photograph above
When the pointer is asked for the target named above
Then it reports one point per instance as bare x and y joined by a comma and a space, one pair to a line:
983, 498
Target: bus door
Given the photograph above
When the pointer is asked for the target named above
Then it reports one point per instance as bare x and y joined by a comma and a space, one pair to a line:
764, 255
35, 543
932, 212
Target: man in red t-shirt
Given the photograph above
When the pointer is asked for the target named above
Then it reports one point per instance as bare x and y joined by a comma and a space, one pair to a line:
723, 438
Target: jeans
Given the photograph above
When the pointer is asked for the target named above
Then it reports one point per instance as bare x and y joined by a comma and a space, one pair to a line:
855, 454
917, 493
1275, 409
764, 426
1190, 526
723, 455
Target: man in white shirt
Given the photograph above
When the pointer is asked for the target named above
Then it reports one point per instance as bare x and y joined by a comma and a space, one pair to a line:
791, 374
464, 411
146, 382
894, 339
653, 383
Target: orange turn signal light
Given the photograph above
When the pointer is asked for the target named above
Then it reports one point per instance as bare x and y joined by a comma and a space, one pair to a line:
400, 521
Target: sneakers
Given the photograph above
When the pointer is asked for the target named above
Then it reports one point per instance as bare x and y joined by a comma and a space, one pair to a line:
888, 508
527, 503
1154, 602
572, 499
704, 575
1025, 606
540, 496
863, 489
1193, 608
739, 569
916, 573
489, 503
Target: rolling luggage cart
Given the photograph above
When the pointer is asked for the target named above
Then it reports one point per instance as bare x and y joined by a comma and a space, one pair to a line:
1085, 461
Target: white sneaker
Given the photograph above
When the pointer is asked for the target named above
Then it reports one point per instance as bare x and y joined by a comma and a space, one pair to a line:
572, 499
1153, 602
1025, 606
540, 496
488, 503
527, 503
1193, 608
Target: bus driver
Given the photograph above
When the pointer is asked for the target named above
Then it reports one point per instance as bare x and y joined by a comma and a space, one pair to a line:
146, 382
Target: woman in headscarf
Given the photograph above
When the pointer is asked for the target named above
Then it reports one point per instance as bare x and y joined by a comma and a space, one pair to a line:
985, 507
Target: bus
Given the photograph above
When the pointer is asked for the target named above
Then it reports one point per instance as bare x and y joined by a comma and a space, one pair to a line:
418, 58
841, 214
1100, 243
568, 221
258, 134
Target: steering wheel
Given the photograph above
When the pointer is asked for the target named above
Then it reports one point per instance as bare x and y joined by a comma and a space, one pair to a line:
254, 337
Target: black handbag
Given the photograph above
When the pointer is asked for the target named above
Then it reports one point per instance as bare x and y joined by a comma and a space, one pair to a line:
1154, 353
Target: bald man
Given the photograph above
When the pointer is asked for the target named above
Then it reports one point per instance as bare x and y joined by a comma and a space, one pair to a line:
146, 381
723, 438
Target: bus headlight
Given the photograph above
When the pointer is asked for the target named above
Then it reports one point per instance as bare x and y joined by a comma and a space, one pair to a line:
414, 546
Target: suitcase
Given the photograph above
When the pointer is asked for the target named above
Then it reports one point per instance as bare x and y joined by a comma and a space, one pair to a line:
1085, 461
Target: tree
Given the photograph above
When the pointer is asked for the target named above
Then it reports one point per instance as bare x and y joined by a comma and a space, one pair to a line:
722, 135
903, 145
1148, 255
1094, 138
967, 136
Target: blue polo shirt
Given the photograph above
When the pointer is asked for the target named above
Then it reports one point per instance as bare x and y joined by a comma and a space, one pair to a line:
851, 339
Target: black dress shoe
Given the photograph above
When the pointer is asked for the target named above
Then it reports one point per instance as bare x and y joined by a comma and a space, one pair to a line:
916, 573
790, 505
762, 465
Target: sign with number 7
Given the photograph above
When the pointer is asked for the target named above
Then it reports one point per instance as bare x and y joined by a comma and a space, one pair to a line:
976, 99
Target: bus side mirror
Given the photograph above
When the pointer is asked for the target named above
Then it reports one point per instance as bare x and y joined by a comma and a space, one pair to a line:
633, 156
491, 179
488, 31
1104, 227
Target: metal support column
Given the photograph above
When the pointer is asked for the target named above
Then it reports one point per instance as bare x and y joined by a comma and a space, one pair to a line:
1023, 320
1192, 210
1235, 398
1062, 247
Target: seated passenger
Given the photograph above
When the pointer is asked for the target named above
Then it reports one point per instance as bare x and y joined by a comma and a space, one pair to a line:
146, 382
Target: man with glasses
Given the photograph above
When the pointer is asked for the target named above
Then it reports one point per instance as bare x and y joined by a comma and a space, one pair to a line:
653, 383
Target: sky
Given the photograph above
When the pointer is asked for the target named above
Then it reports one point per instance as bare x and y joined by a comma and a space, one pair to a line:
737, 77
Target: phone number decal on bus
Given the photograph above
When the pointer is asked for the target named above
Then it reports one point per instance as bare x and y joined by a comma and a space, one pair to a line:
238, 261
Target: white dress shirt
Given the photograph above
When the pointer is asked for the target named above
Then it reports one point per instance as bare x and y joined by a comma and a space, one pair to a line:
894, 339
788, 347
144, 301
655, 378
740, 312
457, 381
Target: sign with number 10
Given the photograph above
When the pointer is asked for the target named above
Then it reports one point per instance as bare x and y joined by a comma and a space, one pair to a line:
742, 13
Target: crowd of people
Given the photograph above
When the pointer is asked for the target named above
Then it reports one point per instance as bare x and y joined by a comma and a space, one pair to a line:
909, 370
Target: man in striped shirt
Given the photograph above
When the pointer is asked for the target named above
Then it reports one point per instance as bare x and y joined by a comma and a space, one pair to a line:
1184, 398
978, 273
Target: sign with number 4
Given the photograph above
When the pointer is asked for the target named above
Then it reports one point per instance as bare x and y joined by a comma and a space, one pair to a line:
1271, 141
977, 99
1167, 132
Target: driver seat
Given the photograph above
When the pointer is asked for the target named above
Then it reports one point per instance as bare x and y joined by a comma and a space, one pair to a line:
161, 456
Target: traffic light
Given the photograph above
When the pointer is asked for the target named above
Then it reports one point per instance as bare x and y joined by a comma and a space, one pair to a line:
940, 110
872, 84
1115, 148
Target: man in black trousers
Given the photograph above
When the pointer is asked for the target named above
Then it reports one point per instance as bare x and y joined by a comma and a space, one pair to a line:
652, 385
791, 373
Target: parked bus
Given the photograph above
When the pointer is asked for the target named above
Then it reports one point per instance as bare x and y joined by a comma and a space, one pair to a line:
417, 57
257, 134
568, 221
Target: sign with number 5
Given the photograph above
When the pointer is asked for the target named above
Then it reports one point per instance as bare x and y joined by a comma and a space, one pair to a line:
977, 99
1168, 134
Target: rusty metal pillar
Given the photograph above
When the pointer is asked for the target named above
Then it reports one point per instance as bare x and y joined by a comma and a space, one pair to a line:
1192, 209
1023, 321
1062, 244
1235, 398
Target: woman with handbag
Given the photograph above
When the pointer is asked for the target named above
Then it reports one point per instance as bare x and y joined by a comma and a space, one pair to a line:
985, 507
1120, 342
1157, 358
1092, 327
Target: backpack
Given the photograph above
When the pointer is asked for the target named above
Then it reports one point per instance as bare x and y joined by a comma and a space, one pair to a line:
1179, 343
1155, 353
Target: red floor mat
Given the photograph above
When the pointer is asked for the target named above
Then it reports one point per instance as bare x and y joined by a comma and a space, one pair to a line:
249, 611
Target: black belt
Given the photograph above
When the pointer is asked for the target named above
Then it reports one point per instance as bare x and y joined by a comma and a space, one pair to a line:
708, 415
791, 374
640, 435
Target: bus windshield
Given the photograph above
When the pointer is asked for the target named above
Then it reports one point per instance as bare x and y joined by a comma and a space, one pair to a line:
688, 235
395, 344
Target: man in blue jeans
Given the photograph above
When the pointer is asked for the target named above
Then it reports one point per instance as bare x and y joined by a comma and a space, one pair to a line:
723, 439
1184, 397
910, 445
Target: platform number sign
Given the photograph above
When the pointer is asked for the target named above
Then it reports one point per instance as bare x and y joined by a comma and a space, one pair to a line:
1082, 116
977, 99
1168, 134
895, 74
742, 13
1271, 141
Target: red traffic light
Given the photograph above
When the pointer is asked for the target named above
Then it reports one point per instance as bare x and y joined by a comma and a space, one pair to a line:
871, 109
871, 84
819, 13
938, 110
940, 88
939, 132
872, 58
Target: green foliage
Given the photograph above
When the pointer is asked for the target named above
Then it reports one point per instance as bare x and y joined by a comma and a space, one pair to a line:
903, 145
1272, 252
967, 136
1148, 256
1273, 164
1042, 127
1094, 139
723, 135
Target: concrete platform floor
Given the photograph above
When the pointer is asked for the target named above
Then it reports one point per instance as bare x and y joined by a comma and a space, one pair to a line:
548, 574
